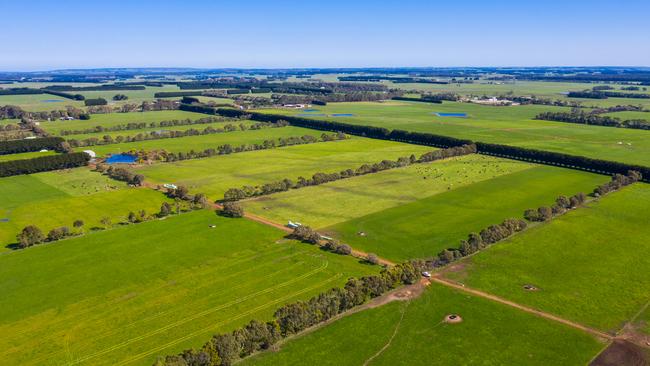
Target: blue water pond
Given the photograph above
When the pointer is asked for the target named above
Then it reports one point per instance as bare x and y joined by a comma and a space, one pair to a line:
310, 110
121, 159
342, 115
52, 101
451, 114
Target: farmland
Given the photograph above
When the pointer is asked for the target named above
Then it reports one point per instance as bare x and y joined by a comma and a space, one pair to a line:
488, 332
584, 271
512, 125
29, 155
426, 226
70, 195
99, 306
213, 176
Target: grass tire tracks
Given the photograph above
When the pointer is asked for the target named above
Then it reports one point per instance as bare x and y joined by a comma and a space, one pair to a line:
390, 340
200, 314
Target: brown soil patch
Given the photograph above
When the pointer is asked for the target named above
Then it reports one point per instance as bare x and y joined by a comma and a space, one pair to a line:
453, 318
622, 353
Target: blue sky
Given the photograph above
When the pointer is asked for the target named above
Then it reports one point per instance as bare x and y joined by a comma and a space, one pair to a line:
38, 35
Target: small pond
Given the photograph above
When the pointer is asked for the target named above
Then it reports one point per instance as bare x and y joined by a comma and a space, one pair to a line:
52, 100
451, 114
342, 115
310, 110
121, 159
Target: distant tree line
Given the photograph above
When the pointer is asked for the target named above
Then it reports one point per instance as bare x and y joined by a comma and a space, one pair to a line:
581, 117
226, 348
30, 145
412, 99
235, 194
102, 87
541, 101
177, 94
592, 94
95, 101
618, 181
43, 164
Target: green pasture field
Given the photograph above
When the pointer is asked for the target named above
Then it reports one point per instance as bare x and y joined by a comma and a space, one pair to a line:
7, 121
114, 119
35, 102
54, 199
591, 265
202, 142
332, 203
208, 100
28, 155
425, 227
213, 176
127, 295
490, 334
512, 125
135, 96
147, 130
552, 90
630, 115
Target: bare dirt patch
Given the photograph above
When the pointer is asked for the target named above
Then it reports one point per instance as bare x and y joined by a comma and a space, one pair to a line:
622, 353
453, 318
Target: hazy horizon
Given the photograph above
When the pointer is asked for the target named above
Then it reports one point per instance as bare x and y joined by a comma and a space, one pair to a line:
293, 34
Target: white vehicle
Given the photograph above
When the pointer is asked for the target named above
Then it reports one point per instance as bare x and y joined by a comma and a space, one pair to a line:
426, 274
293, 225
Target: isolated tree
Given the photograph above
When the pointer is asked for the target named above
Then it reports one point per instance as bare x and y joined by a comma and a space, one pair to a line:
200, 200
372, 258
29, 236
132, 217
344, 249
78, 224
165, 209
233, 209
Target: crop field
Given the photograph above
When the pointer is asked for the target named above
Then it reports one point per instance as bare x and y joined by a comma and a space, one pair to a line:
28, 155
213, 176
427, 226
54, 199
114, 119
125, 296
590, 265
135, 96
512, 125
335, 202
202, 142
489, 333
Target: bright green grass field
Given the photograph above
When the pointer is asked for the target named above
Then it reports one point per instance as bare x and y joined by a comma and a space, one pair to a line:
54, 199
28, 155
35, 102
591, 265
113, 119
343, 200
630, 115
423, 228
202, 142
125, 296
490, 334
147, 130
505, 125
213, 176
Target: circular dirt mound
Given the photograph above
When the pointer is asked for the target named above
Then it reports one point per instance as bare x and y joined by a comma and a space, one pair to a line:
453, 318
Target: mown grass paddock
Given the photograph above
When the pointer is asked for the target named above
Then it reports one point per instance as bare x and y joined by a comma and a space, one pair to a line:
489, 333
336, 202
427, 226
513, 125
215, 175
28, 155
125, 296
202, 142
590, 265
53, 199
113, 119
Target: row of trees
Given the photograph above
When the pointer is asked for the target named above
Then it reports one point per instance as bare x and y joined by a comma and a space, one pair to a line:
32, 235
43, 164
561, 205
29, 145
600, 94
163, 155
121, 174
618, 181
412, 99
577, 116
143, 125
95, 101
235, 194
226, 348
157, 135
